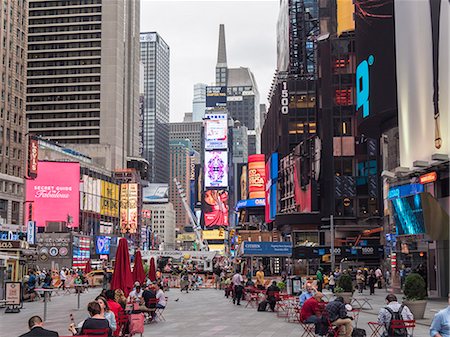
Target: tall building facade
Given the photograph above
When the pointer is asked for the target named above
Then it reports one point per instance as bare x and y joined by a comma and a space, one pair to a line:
162, 224
155, 55
199, 102
187, 130
180, 168
83, 76
13, 53
242, 94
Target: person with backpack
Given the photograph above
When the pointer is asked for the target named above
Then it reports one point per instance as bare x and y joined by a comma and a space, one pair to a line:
394, 311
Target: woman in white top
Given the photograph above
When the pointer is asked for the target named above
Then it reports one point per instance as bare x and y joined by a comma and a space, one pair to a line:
161, 297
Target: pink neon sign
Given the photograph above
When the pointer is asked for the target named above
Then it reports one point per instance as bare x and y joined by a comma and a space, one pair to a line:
55, 194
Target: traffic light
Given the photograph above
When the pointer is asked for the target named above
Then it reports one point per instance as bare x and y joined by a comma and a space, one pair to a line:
239, 240
232, 233
221, 232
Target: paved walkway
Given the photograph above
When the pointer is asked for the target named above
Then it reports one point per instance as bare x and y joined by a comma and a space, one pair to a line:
200, 313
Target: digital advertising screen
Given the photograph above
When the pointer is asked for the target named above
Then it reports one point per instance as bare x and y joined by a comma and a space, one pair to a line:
216, 133
102, 245
216, 169
216, 97
408, 215
55, 193
215, 208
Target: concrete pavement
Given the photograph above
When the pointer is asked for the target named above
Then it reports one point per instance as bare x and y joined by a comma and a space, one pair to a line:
201, 313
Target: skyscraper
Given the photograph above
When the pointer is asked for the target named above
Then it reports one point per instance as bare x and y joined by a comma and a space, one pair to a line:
199, 102
187, 130
13, 51
242, 94
155, 54
83, 76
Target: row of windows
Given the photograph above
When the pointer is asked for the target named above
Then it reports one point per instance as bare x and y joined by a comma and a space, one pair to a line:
72, 71
62, 54
77, 88
11, 170
63, 98
64, 3
14, 136
72, 28
19, 66
89, 18
18, 102
65, 37
64, 115
68, 45
14, 153
55, 106
59, 133
65, 124
16, 119
62, 80
60, 63
63, 11
18, 86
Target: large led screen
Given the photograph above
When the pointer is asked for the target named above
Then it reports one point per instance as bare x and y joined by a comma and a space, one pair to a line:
216, 133
55, 193
216, 169
102, 245
408, 215
215, 208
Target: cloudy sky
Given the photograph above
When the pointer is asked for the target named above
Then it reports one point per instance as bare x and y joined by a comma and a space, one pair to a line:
191, 29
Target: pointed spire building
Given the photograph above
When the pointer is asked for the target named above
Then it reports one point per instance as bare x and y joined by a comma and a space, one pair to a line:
221, 67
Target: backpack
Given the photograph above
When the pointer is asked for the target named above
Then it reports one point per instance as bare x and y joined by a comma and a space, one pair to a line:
357, 332
402, 332
262, 306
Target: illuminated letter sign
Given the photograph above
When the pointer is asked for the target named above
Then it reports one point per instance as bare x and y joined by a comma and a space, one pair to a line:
362, 86
284, 98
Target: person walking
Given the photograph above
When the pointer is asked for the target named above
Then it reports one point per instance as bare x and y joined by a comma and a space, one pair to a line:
62, 277
331, 282
237, 281
379, 275
319, 277
392, 309
440, 327
360, 281
372, 280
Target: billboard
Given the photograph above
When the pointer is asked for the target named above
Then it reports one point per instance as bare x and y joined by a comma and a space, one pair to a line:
267, 248
216, 97
55, 193
423, 81
54, 247
90, 193
81, 248
271, 187
256, 176
109, 199
102, 245
215, 208
128, 208
216, 169
156, 193
216, 133
33, 155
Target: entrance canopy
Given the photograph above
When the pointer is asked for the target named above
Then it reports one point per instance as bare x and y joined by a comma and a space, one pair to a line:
267, 249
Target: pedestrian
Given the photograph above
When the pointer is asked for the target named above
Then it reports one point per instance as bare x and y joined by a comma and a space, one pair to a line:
379, 275
393, 310
440, 327
331, 282
62, 277
319, 277
360, 281
238, 288
260, 283
372, 280
36, 326
184, 281
387, 277
337, 315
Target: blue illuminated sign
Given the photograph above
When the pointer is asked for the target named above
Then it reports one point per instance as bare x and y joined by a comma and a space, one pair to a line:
363, 86
404, 191
258, 202
268, 248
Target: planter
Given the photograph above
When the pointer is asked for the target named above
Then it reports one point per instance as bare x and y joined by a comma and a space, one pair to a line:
417, 308
347, 296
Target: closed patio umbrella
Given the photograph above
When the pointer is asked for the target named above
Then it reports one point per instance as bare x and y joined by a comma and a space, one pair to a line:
138, 270
87, 267
122, 277
152, 270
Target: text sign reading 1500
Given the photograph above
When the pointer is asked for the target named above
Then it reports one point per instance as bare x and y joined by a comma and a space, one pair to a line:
284, 98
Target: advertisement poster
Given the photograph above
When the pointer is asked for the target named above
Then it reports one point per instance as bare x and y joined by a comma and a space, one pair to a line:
216, 97
54, 247
129, 208
215, 208
256, 176
13, 293
103, 245
33, 154
55, 193
216, 169
81, 251
109, 200
216, 133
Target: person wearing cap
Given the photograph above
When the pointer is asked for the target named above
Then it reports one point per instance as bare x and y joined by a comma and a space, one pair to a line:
136, 294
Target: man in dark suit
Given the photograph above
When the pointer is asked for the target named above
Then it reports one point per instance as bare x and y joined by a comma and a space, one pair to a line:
36, 329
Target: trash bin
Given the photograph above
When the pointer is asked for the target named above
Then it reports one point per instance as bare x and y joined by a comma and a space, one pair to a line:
296, 285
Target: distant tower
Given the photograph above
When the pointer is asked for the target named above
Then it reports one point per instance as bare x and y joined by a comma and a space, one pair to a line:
221, 67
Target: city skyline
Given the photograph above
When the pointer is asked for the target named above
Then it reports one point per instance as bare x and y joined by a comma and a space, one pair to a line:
253, 47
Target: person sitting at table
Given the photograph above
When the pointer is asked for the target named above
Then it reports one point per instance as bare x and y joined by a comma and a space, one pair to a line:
271, 295
249, 283
306, 295
36, 326
136, 294
311, 312
96, 321
337, 315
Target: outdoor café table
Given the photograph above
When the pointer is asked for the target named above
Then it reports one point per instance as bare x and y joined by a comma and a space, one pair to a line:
376, 329
45, 291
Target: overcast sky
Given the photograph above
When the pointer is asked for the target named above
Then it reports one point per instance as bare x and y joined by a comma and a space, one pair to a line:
191, 29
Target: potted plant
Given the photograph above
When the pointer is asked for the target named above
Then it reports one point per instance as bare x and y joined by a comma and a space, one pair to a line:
415, 294
282, 286
344, 288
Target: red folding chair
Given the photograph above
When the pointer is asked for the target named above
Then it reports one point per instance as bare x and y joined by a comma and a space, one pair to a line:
409, 325
122, 324
375, 329
96, 332
308, 329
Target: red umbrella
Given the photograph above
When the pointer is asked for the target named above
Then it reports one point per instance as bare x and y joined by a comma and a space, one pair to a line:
122, 278
138, 270
152, 270
87, 267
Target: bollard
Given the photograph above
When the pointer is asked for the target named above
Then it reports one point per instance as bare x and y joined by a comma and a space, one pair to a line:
79, 300
45, 306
